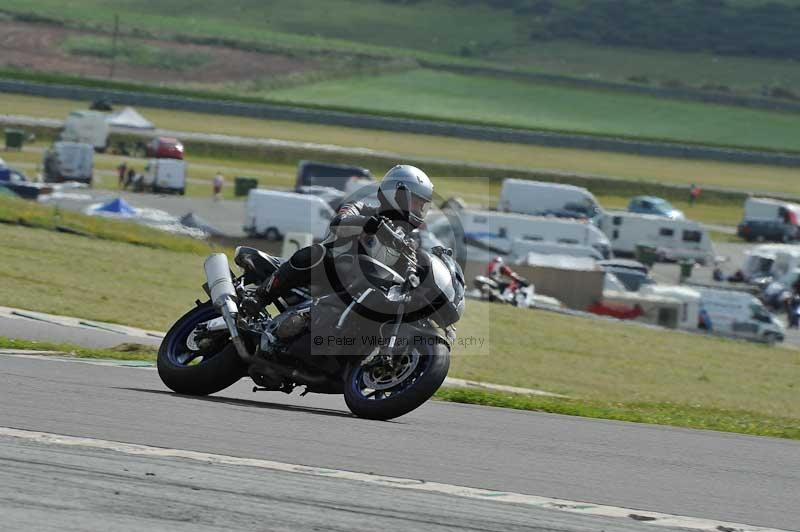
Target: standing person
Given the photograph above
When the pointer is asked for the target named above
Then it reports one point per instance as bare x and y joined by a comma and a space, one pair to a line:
218, 182
130, 177
694, 193
122, 170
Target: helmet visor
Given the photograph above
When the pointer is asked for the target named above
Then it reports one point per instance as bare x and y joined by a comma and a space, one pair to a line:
419, 206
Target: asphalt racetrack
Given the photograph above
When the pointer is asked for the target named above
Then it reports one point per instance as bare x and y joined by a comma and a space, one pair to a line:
328, 463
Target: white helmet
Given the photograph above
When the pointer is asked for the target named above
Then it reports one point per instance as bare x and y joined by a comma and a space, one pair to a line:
405, 194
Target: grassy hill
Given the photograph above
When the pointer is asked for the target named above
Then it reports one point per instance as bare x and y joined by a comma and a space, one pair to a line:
534, 35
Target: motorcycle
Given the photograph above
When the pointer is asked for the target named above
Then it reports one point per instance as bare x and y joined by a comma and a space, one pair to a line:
492, 290
381, 338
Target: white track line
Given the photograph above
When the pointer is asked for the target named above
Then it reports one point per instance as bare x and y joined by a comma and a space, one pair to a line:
645, 517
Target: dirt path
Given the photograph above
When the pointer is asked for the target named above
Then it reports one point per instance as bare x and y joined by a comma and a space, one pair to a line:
38, 47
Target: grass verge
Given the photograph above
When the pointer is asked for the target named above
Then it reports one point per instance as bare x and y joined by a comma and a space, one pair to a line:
673, 414
30, 214
126, 351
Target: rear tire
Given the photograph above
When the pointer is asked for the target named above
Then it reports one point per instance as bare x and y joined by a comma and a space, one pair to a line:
438, 364
215, 372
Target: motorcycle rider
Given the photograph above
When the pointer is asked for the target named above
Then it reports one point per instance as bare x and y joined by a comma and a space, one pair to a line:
404, 195
507, 279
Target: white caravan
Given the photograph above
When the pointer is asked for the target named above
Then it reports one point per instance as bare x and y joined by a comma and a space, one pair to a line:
69, 161
738, 314
272, 214
771, 209
547, 199
165, 175
673, 239
89, 127
518, 234
759, 260
689, 298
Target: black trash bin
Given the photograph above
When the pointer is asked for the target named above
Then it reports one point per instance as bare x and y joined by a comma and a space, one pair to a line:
243, 185
15, 138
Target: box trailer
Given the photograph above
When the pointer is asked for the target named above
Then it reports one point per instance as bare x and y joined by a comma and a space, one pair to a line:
165, 175
89, 127
69, 161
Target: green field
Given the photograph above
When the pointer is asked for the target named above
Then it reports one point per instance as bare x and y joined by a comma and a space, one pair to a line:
654, 68
475, 33
759, 178
686, 379
550, 107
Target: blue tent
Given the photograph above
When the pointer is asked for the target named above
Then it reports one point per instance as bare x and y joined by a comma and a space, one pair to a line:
118, 207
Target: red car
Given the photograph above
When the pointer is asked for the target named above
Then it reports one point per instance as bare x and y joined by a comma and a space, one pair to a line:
165, 148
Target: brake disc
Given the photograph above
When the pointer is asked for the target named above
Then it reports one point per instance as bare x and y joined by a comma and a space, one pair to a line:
383, 376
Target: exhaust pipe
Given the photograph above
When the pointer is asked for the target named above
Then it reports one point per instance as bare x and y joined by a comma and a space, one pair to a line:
223, 296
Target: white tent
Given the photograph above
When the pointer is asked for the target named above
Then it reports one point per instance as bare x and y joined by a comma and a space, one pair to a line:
129, 118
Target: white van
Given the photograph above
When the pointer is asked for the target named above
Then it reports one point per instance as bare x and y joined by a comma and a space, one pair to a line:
771, 209
673, 239
165, 175
69, 161
272, 214
547, 199
507, 231
738, 314
89, 127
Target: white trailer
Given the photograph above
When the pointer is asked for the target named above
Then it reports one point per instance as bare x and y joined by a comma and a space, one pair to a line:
673, 239
69, 161
547, 199
272, 214
738, 314
165, 175
689, 298
89, 127
509, 231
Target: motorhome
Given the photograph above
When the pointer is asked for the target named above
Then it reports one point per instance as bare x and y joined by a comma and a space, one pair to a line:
69, 161
547, 199
89, 127
738, 314
673, 239
510, 233
165, 175
272, 214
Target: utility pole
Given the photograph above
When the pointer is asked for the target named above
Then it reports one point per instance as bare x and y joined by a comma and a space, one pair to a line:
114, 47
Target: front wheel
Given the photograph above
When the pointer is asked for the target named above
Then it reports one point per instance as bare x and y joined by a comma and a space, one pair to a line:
382, 391
202, 367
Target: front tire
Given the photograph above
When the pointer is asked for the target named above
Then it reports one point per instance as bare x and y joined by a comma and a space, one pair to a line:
218, 368
432, 369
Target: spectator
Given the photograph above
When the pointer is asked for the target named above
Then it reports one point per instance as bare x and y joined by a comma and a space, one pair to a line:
218, 182
130, 178
122, 171
694, 193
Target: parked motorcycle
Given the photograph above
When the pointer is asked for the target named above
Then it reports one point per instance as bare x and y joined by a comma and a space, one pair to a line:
381, 337
492, 290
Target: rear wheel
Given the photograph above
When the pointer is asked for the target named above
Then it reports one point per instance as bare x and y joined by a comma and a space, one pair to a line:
198, 368
383, 391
